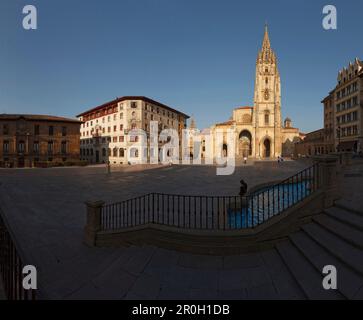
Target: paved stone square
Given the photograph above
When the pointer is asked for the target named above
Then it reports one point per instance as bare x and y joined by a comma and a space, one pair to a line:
45, 208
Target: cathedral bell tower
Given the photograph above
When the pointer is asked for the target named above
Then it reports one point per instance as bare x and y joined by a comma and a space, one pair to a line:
267, 102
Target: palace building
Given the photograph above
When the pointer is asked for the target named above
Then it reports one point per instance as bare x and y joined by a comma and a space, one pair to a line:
259, 131
38, 140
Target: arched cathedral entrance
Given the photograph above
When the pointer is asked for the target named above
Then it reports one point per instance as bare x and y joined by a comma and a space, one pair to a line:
245, 144
267, 148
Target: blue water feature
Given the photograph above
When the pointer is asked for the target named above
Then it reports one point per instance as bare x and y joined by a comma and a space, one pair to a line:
266, 203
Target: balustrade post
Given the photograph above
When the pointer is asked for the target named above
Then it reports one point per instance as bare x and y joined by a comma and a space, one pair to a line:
327, 178
93, 225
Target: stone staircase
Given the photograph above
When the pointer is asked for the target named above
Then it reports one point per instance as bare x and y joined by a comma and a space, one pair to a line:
335, 237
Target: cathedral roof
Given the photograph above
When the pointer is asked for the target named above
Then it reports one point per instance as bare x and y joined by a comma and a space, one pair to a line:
227, 123
244, 107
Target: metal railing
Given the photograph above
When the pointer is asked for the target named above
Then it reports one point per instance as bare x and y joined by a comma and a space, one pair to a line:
211, 212
11, 265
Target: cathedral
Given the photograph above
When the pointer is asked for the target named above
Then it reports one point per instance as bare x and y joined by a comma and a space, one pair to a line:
259, 131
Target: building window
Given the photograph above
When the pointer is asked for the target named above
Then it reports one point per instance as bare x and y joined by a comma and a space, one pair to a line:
36, 129
355, 130
103, 152
6, 129
355, 116
355, 101
50, 147
355, 86
133, 114
114, 128
115, 152
21, 147
122, 152
121, 115
267, 118
36, 147
121, 139
133, 104
6, 146
349, 131
114, 139
64, 147
134, 153
51, 130
64, 131
121, 127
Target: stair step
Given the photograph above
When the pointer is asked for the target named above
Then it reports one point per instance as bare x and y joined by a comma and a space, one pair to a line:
283, 280
349, 282
345, 216
341, 249
305, 274
351, 235
348, 205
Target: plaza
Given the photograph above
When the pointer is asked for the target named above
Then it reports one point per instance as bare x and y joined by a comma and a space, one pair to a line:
51, 234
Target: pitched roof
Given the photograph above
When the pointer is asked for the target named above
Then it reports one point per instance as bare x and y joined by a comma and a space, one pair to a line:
36, 117
145, 99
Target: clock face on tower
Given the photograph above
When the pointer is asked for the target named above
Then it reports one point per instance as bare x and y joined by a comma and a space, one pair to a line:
267, 95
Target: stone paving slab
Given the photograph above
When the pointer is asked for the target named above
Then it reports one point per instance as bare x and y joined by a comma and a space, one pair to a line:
46, 209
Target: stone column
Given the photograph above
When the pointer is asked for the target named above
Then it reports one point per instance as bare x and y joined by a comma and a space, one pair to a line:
93, 224
327, 178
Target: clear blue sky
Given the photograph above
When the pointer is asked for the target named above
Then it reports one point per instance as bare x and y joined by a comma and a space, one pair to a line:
195, 55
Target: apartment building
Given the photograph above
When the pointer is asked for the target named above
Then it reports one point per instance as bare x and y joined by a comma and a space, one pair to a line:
343, 116
110, 131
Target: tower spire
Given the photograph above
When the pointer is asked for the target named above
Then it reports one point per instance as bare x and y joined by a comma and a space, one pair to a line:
266, 39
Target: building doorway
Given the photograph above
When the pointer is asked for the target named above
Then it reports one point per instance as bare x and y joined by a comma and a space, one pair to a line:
224, 150
97, 156
21, 162
245, 144
267, 148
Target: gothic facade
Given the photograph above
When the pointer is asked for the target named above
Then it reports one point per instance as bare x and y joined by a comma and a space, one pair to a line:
259, 131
